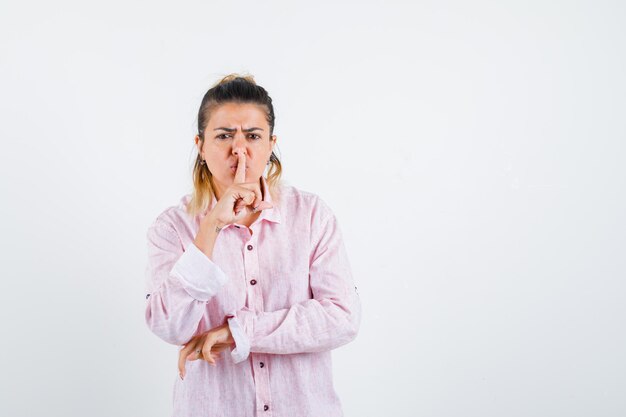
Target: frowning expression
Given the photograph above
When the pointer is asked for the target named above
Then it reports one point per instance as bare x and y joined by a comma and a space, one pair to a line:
234, 128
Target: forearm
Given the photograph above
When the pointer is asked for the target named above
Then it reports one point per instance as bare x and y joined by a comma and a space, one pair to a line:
312, 326
309, 326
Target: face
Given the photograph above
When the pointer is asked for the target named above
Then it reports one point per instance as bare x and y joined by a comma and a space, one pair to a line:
235, 128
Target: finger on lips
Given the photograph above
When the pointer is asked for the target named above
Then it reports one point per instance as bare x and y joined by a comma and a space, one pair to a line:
257, 197
240, 174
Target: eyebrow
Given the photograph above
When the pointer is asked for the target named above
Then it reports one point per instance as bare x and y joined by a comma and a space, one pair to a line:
228, 129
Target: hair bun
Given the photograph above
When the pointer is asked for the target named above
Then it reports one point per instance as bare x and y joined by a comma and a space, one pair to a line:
234, 76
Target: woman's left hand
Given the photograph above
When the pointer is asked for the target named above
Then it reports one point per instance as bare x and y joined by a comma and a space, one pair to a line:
205, 346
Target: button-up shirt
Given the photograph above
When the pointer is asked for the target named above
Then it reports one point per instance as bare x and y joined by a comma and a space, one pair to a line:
284, 286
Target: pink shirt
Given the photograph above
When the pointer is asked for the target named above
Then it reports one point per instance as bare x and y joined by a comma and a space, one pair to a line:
286, 289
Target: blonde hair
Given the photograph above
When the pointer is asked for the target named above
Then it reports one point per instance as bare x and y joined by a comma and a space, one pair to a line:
240, 89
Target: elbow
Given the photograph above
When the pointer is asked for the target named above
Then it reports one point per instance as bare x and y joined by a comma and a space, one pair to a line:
346, 333
353, 324
351, 307
162, 326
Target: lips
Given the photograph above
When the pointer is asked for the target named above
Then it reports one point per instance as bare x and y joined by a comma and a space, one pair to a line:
235, 166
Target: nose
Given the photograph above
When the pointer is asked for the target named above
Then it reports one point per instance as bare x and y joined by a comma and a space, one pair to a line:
239, 149
239, 144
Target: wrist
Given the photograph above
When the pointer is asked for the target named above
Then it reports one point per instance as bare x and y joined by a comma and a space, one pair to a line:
212, 225
207, 235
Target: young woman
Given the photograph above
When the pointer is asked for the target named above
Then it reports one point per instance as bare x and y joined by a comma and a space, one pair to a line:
251, 266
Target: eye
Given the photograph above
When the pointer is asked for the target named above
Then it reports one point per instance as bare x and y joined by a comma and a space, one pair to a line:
255, 136
222, 136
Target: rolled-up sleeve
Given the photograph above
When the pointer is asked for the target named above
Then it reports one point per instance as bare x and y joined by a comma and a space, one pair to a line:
179, 283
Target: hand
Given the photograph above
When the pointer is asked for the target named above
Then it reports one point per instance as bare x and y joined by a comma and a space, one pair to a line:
209, 344
240, 199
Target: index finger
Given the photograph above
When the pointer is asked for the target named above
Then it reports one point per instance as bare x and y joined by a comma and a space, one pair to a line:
240, 174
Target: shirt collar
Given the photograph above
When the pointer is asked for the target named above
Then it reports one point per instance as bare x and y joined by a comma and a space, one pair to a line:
271, 214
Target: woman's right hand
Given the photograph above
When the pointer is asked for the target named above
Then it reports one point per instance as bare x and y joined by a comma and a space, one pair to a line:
239, 200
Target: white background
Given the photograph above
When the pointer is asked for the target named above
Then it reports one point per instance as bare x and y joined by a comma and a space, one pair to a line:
473, 153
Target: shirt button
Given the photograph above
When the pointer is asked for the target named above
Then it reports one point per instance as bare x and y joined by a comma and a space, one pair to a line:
147, 295
266, 407
249, 247
253, 281
261, 364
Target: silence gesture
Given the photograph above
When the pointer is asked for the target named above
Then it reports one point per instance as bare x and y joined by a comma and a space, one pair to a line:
240, 199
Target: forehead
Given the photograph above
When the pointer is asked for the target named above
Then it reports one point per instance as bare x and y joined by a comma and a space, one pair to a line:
237, 114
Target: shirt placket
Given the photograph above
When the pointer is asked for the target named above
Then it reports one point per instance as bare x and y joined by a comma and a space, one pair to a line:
255, 302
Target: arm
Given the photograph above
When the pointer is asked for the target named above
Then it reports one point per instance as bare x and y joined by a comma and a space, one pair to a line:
329, 320
178, 283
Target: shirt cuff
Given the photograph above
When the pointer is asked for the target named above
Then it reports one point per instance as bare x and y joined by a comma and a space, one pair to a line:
242, 341
198, 274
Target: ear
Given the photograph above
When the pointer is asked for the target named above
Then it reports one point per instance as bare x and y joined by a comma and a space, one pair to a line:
198, 144
274, 138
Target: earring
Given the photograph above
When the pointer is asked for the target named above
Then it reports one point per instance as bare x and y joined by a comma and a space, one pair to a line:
203, 162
